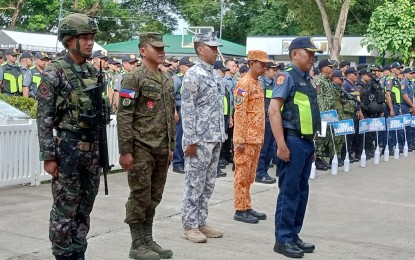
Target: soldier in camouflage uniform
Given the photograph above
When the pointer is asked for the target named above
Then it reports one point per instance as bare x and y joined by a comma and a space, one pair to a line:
71, 157
146, 137
203, 133
327, 100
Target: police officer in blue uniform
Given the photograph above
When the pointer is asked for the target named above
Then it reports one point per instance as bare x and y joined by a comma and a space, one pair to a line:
268, 147
11, 77
294, 129
178, 156
408, 106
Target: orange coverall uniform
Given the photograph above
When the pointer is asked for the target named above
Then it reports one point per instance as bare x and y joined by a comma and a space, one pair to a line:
249, 127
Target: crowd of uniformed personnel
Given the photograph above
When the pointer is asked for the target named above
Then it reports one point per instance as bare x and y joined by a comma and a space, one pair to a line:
378, 91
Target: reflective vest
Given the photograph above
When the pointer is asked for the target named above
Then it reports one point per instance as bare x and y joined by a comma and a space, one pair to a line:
395, 91
227, 103
12, 79
36, 77
268, 88
301, 107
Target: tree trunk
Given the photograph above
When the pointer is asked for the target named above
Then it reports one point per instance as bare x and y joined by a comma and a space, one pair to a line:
336, 40
16, 13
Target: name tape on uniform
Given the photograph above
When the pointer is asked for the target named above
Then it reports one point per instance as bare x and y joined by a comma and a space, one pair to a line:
344, 127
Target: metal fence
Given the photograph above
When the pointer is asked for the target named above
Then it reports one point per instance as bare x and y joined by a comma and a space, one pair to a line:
19, 153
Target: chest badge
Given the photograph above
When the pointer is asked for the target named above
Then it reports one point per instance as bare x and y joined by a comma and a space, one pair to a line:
151, 104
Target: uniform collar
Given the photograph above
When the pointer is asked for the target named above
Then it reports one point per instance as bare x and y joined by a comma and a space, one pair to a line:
305, 75
206, 66
150, 74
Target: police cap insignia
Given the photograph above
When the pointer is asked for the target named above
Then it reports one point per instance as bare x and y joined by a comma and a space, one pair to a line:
238, 100
280, 80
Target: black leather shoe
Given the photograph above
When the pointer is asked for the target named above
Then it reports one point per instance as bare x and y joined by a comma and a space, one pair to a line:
223, 161
178, 169
265, 179
328, 165
220, 174
244, 216
78, 256
289, 249
222, 165
320, 166
63, 257
340, 163
306, 247
260, 216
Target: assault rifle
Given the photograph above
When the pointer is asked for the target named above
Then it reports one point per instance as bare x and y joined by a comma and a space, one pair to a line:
99, 123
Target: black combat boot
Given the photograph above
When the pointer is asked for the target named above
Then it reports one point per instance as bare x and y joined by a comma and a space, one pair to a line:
148, 239
78, 256
63, 257
138, 249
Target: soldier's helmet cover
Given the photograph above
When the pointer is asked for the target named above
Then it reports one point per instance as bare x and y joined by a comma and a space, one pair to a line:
76, 24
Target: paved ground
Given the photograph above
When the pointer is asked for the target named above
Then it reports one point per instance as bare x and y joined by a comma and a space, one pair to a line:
365, 214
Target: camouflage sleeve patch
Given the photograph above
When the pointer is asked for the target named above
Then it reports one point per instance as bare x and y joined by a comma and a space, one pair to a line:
238, 100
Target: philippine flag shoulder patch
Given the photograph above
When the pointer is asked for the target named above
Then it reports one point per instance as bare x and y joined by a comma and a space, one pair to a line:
126, 93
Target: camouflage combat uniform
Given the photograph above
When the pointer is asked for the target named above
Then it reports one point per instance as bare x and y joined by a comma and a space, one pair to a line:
203, 124
76, 186
327, 100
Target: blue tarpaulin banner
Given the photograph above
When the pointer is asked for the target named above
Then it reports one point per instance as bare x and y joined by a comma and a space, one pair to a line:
395, 123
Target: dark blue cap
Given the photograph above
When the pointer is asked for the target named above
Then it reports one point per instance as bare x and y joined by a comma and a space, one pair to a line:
129, 58
11, 51
99, 54
396, 65
361, 66
351, 70
387, 67
337, 74
186, 60
325, 63
26, 54
218, 65
304, 42
408, 70
344, 64
244, 68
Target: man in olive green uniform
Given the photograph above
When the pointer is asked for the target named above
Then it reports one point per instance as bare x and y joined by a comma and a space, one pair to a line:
146, 136
72, 156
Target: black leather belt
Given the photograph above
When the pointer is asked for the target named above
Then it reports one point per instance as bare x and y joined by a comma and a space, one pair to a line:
295, 133
85, 137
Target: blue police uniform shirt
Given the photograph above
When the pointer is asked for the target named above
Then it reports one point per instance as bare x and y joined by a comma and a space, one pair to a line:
177, 84
27, 78
230, 82
1, 73
284, 85
348, 86
407, 88
117, 82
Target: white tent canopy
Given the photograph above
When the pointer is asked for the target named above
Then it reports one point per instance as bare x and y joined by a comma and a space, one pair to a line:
33, 42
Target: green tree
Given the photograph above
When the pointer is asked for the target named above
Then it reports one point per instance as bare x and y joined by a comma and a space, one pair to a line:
391, 30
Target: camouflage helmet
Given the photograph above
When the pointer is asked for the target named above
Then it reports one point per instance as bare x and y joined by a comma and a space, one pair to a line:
75, 24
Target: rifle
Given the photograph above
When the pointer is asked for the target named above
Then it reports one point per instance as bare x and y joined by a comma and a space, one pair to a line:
99, 120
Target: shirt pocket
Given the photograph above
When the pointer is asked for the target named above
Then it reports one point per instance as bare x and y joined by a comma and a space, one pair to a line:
150, 102
255, 102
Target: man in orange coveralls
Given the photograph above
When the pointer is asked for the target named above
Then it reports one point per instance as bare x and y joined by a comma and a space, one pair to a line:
248, 136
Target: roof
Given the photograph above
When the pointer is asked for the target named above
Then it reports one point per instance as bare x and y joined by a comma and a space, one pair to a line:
175, 46
33, 41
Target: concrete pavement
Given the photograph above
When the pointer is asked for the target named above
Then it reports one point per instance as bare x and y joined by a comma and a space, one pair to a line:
368, 213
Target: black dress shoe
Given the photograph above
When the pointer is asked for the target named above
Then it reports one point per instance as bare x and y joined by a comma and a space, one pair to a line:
306, 247
244, 216
289, 249
328, 165
320, 166
265, 179
63, 257
260, 216
178, 169
220, 174
222, 166
78, 256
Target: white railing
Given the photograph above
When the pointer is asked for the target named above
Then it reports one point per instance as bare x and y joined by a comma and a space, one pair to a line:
19, 153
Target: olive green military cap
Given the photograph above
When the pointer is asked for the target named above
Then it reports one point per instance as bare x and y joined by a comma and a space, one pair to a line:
153, 38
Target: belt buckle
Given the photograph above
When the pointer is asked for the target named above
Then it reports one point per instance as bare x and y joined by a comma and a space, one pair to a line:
84, 146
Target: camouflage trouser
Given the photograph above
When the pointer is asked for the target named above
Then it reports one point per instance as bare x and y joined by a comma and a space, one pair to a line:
246, 162
74, 192
200, 179
323, 143
146, 181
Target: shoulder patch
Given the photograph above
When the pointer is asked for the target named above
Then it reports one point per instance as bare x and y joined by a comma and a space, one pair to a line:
185, 93
126, 93
241, 92
238, 100
280, 79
